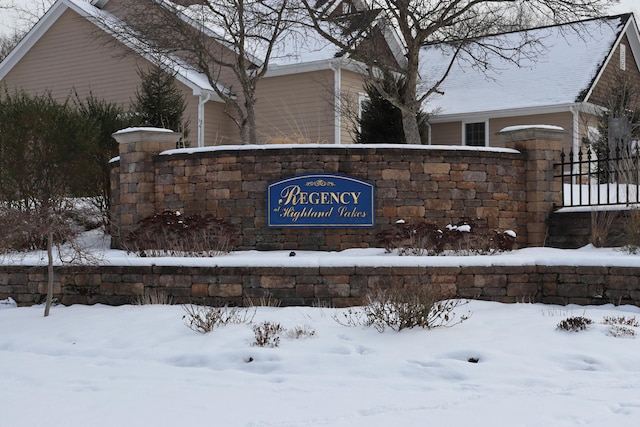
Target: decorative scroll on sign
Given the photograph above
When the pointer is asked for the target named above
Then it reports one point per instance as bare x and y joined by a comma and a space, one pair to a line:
321, 200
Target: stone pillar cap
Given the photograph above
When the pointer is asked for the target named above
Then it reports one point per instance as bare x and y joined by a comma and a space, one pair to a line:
526, 132
138, 134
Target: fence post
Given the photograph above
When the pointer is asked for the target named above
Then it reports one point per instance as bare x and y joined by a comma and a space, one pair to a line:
542, 147
135, 183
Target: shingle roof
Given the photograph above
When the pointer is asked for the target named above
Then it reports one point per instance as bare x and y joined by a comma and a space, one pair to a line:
563, 69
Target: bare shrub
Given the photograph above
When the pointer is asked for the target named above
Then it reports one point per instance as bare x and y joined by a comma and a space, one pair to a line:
204, 319
574, 324
621, 327
267, 334
601, 226
153, 297
466, 237
26, 229
622, 320
404, 308
171, 234
618, 331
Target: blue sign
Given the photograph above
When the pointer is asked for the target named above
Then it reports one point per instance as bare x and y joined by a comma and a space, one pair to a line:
321, 201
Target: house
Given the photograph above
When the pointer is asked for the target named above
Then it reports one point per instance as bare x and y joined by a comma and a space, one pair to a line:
564, 81
75, 48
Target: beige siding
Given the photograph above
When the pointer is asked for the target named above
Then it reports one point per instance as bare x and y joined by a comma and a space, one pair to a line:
451, 133
73, 56
564, 120
296, 108
219, 129
446, 133
352, 87
601, 93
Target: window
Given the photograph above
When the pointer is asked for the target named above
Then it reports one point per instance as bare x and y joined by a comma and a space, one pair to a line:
475, 134
623, 57
363, 102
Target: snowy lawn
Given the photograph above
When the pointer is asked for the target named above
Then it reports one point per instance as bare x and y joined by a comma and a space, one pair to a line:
141, 366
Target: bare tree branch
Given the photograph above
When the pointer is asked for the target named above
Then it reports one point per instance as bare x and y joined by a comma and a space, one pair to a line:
232, 42
459, 25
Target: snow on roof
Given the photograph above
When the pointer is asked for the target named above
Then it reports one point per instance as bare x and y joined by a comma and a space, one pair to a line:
299, 43
118, 29
564, 67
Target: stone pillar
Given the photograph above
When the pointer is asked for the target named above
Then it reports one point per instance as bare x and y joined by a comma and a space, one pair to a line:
136, 198
542, 146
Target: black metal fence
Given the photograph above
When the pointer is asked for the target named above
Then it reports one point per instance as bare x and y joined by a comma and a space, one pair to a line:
600, 177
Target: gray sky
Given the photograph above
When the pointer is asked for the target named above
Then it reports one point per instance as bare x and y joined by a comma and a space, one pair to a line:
8, 19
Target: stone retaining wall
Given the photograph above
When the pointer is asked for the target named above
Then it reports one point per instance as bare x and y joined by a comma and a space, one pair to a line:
332, 286
573, 229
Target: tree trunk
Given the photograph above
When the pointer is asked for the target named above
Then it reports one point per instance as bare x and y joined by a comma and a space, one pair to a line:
250, 122
410, 127
47, 306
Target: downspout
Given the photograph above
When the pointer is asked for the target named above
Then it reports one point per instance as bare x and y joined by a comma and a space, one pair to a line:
428, 133
203, 100
576, 137
337, 85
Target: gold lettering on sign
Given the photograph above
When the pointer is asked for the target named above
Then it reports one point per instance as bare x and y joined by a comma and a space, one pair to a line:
293, 195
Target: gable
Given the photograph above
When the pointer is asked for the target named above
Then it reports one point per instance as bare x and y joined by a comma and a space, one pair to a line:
60, 62
97, 19
623, 62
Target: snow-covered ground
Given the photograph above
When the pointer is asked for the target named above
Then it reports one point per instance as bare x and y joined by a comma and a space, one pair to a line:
142, 366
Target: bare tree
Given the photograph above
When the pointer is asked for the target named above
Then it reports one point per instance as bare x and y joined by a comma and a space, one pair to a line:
26, 14
462, 25
8, 43
231, 41
24, 18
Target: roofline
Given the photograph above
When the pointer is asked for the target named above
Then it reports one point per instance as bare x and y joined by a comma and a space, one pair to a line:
320, 65
585, 107
47, 21
212, 34
33, 35
635, 48
624, 16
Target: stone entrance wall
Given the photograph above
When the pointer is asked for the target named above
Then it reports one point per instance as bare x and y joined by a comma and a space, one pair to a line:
512, 188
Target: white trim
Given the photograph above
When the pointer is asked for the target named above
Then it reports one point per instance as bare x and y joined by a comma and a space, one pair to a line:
202, 99
575, 138
99, 3
486, 132
275, 70
38, 30
634, 40
337, 86
605, 64
586, 107
50, 18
